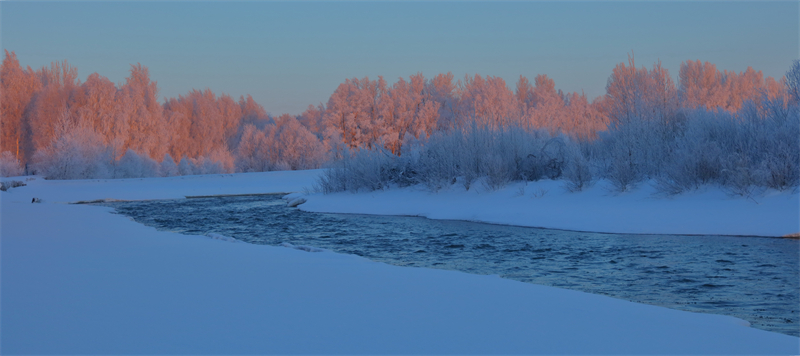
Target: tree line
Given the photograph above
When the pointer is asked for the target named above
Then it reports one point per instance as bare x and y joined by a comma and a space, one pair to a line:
53, 124
676, 139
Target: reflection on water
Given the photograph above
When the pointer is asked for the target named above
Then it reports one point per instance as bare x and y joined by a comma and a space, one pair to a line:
753, 278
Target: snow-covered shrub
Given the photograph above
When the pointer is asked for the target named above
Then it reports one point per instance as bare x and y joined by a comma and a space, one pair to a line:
9, 165
222, 159
77, 153
281, 166
185, 167
493, 156
216, 162
627, 145
765, 150
204, 165
780, 164
134, 165
168, 168
754, 147
690, 169
5, 186
438, 163
578, 172
362, 169
499, 155
553, 157
695, 151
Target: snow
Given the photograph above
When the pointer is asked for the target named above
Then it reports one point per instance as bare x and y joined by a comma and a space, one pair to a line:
77, 279
546, 203
162, 188
295, 202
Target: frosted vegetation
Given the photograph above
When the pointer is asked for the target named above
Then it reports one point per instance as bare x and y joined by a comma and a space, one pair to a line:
736, 130
679, 139
743, 151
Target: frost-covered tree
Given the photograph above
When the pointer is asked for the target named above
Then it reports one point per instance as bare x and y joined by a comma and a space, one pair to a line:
642, 106
49, 104
640, 94
426, 108
178, 116
488, 102
542, 106
441, 90
583, 119
98, 108
296, 147
701, 85
793, 82
78, 152
407, 108
204, 122
219, 160
352, 112
252, 153
284, 144
17, 88
548, 109
251, 111
312, 119
143, 113
429, 131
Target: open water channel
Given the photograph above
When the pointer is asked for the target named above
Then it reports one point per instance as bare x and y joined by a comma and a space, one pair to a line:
753, 278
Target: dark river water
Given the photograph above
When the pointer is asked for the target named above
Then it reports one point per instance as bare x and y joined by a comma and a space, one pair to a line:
753, 278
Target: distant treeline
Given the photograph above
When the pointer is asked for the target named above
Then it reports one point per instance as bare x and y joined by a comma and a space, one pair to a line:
53, 124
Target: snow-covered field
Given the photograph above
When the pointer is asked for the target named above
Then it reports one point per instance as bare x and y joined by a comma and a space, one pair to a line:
77, 279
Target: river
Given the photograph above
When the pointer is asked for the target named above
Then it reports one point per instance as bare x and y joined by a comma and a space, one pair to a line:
753, 278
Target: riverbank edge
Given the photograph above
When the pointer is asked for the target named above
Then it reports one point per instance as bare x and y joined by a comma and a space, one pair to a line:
547, 204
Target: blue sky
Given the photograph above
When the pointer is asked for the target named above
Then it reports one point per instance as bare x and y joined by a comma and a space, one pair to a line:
291, 54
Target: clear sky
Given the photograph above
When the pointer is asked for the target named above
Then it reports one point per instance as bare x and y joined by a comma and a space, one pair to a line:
291, 54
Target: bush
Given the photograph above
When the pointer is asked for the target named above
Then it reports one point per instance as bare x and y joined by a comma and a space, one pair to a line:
185, 167
168, 168
4, 186
578, 172
360, 169
495, 156
9, 165
79, 153
134, 165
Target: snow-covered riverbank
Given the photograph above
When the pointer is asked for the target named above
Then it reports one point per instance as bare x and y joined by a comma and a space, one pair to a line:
546, 203
77, 279
708, 211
